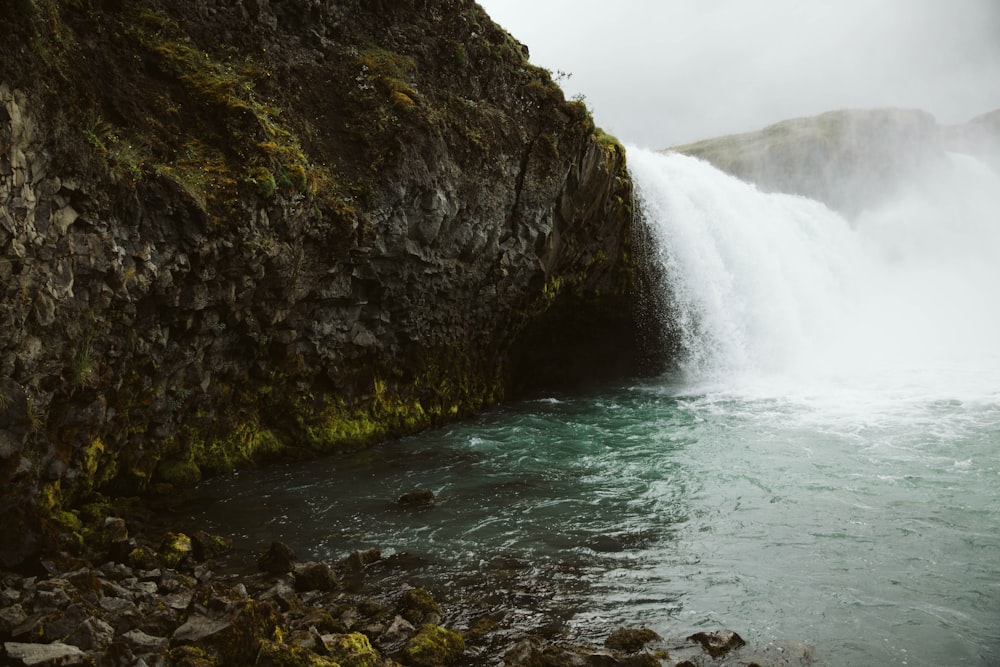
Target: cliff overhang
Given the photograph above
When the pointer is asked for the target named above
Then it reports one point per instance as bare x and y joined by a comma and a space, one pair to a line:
234, 231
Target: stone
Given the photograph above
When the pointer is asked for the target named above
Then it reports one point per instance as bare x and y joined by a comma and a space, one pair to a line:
396, 634
630, 640
64, 623
92, 634
360, 559
235, 634
277, 560
207, 546
718, 643
314, 577
175, 549
140, 642
11, 617
198, 627
44, 655
417, 499
418, 606
352, 649
433, 646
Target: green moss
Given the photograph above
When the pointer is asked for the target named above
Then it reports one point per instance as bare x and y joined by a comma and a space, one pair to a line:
179, 473
263, 180
217, 448
192, 656
143, 558
354, 650
176, 548
274, 654
433, 646
417, 606
97, 465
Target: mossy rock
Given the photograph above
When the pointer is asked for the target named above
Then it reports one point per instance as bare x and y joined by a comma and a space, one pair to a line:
418, 606
179, 473
175, 549
433, 646
630, 640
206, 546
143, 558
273, 654
353, 650
192, 656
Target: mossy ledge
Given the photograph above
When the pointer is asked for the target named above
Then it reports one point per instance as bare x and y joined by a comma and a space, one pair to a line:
272, 230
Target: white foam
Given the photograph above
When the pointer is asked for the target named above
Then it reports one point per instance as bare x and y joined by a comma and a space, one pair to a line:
775, 295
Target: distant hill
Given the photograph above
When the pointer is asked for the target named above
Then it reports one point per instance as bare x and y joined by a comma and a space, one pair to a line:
849, 159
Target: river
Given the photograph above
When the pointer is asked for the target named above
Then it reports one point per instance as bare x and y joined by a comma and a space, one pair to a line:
823, 464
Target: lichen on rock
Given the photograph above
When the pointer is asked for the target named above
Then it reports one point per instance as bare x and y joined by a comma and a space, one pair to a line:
279, 232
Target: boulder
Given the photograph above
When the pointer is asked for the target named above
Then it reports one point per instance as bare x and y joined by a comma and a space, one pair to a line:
314, 577
719, 642
278, 559
418, 499
45, 655
433, 646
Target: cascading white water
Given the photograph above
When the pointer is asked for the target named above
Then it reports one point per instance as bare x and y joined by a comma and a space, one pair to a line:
772, 288
826, 471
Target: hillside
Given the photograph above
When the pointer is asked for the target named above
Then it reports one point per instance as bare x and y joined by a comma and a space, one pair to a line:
849, 159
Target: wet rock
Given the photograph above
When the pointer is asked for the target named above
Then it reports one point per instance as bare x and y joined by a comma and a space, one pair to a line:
273, 654
283, 595
433, 646
231, 628
207, 546
278, 559
719, 642
396, 634
362, 558
176, 549
143, 558
418, 606
62, 624
314, 577
630, 640
417, 499
351, 649
140, 642
11, 617
92, 634
44, 655
530, 653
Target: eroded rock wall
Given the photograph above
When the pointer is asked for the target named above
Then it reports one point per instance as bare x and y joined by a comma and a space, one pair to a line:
237, 230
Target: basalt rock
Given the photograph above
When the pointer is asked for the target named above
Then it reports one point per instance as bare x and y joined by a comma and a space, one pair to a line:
236, 231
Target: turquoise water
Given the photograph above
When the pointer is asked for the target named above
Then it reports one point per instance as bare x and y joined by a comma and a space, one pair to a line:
823, 465
650, 505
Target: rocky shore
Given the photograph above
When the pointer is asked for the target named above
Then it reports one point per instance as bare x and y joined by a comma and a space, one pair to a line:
129, 591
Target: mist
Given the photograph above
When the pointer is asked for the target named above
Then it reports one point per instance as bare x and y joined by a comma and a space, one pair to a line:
659, 74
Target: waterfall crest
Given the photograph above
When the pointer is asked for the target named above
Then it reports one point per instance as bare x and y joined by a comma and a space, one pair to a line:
765, 287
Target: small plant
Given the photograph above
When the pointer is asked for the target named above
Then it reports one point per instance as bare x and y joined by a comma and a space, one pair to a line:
81, 367
263, 180
34, 416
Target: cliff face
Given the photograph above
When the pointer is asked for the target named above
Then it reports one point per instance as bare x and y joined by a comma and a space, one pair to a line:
231, 230
849, 160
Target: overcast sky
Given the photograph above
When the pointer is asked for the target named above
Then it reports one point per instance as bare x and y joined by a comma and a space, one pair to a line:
664, 72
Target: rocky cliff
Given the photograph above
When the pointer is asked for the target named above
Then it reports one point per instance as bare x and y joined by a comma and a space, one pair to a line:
240, 229
850, 159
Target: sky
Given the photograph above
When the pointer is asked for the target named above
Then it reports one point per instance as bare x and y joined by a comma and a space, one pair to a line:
659, 73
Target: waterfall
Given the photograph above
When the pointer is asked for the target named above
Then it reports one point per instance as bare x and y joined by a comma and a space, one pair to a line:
763, 287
